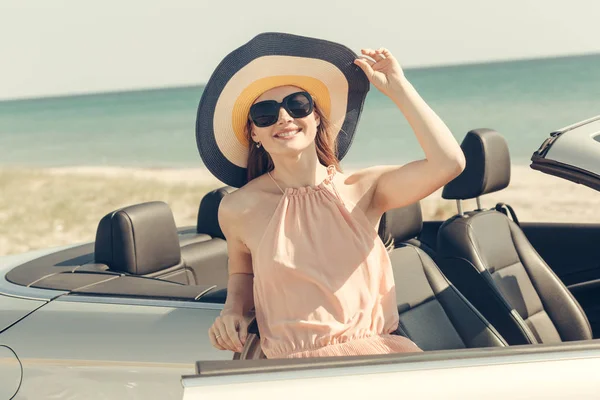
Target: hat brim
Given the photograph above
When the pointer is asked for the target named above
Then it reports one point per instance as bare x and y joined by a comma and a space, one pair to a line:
324, 69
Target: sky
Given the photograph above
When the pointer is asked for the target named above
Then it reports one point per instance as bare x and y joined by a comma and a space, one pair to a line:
61, 47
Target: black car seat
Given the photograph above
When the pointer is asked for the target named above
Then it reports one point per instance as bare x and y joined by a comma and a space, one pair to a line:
433, 313
141, 240
208, 258
489, 259
395, 220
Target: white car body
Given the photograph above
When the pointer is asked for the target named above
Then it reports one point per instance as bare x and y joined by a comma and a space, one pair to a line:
519, 372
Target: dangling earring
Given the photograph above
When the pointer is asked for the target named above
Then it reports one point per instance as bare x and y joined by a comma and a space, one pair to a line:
257, 145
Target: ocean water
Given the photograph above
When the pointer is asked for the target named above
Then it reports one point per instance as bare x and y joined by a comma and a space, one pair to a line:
524, 100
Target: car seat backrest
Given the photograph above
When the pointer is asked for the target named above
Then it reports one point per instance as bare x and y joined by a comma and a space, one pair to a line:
432, 312
208, 258
403, 225
489, 259
138, 240
208, 221
487, 167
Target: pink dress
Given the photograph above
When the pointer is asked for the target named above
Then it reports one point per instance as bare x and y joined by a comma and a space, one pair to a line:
323, 281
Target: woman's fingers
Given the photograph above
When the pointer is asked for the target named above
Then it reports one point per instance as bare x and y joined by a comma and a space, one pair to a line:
365, 65
221, 342
232, 332
367, 60
385, 52
229, 333
223, 336
368, 52
243, 330
380, 54
212, 336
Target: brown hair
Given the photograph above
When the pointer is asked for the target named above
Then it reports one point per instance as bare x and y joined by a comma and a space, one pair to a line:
260, 162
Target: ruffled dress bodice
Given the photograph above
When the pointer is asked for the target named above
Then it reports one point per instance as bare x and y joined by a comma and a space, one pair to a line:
323, 281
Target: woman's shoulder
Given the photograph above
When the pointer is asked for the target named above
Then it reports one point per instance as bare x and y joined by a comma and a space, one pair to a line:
246, 211
245, 199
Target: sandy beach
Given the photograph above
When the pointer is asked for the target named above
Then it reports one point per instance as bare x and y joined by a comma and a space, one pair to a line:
55, 206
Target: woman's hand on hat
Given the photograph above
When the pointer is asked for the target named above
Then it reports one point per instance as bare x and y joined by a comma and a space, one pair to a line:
382, 69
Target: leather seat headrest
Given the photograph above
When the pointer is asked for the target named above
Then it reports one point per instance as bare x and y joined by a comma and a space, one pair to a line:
139, 239
401, 224
208, 219
487, 169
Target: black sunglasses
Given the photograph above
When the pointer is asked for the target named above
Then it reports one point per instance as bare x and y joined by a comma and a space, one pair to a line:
266, 113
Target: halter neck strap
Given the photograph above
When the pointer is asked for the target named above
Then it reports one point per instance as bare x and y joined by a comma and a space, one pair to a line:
331, 170
275, 182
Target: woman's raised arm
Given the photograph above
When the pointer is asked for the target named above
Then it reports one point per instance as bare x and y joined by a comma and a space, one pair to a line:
397, 186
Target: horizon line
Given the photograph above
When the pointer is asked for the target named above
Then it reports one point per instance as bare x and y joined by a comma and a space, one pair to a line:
201, 84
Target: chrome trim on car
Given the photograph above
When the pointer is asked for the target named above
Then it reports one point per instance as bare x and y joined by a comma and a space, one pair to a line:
138, 301
545, 147
10, 289
16, 295
576, 125
23, 292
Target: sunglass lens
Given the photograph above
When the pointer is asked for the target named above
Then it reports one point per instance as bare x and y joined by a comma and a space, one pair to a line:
299, 105
264, 113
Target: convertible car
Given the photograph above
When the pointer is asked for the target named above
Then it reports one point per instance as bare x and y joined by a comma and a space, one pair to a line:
501, 308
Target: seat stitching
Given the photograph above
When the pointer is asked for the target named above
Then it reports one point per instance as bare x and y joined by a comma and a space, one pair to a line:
436, 297
528, 330
465, 302
484, 178
46, 276
555, 277
95, 283
472, 242
420, 304
177, 271
533, 287
431, 298
508, 266
536, 313
499, 297
134, 243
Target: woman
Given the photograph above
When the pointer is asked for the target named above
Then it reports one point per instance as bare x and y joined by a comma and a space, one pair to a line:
302, 237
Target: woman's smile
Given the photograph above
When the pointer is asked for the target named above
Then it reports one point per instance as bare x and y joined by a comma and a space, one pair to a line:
287, 134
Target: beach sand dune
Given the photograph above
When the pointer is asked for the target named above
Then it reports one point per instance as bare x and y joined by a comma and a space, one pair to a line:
55, 206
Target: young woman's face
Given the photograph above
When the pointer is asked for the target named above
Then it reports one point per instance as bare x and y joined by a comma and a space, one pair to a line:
288, 135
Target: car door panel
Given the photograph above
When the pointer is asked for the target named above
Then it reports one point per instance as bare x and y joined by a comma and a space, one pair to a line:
12, 309
10, 372
533, 372
96, 350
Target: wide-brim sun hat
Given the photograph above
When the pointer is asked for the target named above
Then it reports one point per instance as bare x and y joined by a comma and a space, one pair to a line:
324, 69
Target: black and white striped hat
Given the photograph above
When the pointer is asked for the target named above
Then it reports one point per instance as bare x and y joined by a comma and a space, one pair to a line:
324, 69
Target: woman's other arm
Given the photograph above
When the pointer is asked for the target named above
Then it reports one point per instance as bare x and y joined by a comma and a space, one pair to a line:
230, 329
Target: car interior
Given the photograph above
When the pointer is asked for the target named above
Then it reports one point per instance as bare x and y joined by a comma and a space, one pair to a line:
489, 259
479, 279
